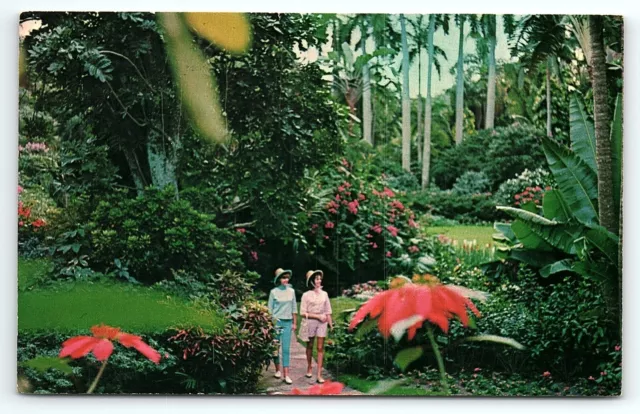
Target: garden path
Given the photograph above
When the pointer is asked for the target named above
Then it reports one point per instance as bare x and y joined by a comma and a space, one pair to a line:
297, 369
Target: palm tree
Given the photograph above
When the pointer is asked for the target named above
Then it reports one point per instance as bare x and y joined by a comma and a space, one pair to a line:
540, 38
488, 29
426, 157
406, 102
602, 121
460, 19
367, 118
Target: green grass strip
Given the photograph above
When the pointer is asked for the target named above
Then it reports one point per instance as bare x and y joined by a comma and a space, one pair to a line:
75, 307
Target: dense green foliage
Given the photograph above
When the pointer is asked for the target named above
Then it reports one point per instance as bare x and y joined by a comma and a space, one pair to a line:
500, 153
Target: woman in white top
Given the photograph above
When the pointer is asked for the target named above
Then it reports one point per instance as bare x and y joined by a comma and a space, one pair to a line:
316, 308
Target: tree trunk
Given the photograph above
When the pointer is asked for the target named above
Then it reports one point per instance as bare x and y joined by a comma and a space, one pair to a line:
136, 171
406, 101
549, 132
419, 114
162, 163
419, 128
426, 157
602, 120
491, 85
335, 45
366, 94
460, 86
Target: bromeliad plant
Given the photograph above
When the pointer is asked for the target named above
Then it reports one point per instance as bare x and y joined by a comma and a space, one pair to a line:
421, 302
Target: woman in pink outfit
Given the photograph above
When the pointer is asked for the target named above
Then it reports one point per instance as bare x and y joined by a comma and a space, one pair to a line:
316, 308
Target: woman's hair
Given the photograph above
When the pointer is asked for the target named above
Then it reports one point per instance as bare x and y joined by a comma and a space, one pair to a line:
312, 280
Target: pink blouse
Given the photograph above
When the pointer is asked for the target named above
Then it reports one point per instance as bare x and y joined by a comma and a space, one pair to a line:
317, 303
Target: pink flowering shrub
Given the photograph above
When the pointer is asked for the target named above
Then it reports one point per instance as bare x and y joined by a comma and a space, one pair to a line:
361, 221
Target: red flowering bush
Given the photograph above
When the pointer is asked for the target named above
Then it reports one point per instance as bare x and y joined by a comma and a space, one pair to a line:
530, 194
362, 221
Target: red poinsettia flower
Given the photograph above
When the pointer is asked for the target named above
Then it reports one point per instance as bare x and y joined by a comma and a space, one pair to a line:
327, 388
101, 344
427, 300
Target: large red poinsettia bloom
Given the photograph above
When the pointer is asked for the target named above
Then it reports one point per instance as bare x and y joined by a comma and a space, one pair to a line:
413, 304
101, 344
327, 388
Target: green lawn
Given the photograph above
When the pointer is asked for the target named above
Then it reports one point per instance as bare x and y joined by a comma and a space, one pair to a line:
482, 234
73, 307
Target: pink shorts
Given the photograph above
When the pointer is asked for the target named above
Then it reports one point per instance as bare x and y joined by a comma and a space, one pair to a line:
317, 328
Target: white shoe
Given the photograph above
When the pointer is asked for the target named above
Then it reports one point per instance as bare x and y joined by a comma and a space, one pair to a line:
278, 374
288, 380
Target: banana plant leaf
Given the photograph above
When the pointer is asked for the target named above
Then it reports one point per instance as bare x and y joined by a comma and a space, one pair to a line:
583, 135
577, 182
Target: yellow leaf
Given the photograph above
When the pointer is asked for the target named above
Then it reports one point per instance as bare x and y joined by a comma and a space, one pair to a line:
196, 83
230, 31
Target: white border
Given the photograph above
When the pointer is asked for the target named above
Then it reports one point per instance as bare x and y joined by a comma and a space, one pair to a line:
8, 180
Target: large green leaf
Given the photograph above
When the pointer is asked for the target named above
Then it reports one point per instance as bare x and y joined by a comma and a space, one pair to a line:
560, 236
559, 266
583, 135
554, 206
605, 241
527, 216
616, 153
407, 356
577, 182
529, 238
506, 234
535, 258
43, 363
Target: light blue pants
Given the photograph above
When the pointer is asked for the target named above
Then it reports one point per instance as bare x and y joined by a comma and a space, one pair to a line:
283, 332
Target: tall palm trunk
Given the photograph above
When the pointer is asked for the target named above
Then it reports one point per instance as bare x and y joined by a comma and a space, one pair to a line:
426, 157
602, 120
549, 132
460, 86
491, 84
419, 114
406, 102
366, 92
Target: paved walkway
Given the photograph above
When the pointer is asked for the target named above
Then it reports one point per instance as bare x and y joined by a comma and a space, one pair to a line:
297, 369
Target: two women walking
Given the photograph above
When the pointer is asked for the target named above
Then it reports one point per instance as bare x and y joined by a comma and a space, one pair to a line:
315, 310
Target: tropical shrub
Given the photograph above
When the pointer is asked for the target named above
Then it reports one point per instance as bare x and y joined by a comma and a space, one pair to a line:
500, 153
471, 182
463, 208
154, 234
538, 178
563, 326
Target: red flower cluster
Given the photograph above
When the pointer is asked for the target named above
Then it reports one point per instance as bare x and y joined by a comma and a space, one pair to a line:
384, 193
332, 207
353, 207
377, 228
426, 300
329, 225
397, 204
393, 230
101, 344
534, 194
413, 249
